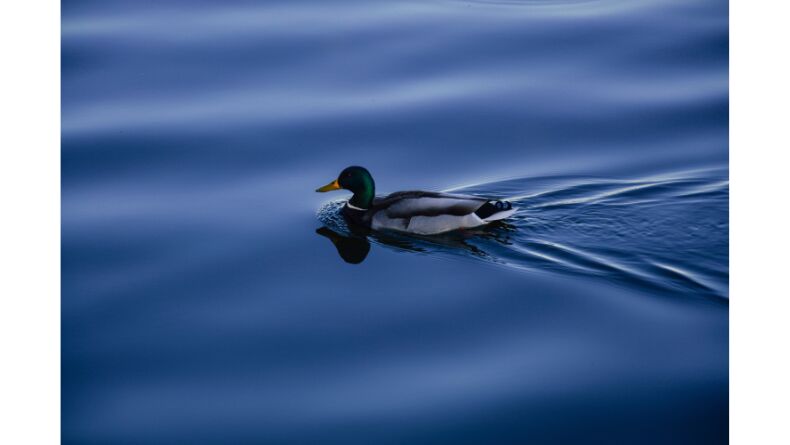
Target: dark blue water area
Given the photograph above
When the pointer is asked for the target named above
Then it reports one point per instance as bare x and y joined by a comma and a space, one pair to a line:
209, 295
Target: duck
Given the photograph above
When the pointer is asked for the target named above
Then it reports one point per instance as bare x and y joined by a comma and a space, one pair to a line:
418, 212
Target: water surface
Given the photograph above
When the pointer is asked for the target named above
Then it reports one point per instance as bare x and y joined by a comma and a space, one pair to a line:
210, 296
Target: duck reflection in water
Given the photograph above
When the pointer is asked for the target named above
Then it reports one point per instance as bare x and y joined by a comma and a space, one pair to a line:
353, 249
354, 246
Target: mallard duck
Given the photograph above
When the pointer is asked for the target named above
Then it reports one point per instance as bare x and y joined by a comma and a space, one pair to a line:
423, 213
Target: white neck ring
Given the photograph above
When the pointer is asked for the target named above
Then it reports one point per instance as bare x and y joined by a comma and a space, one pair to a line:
355, 207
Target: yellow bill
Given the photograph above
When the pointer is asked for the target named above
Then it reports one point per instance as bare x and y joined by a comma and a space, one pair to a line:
329, 187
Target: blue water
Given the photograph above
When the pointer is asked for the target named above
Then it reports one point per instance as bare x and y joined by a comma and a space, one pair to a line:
209, 295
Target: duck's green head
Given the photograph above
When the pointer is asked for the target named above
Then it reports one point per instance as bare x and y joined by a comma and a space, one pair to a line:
356, 180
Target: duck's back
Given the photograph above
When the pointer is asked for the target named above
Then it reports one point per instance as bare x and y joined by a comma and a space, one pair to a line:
419, 203
426, 213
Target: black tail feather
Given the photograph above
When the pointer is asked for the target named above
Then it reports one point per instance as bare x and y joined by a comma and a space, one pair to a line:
492, 207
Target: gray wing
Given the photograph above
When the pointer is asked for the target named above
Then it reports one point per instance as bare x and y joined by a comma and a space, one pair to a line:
419, 203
